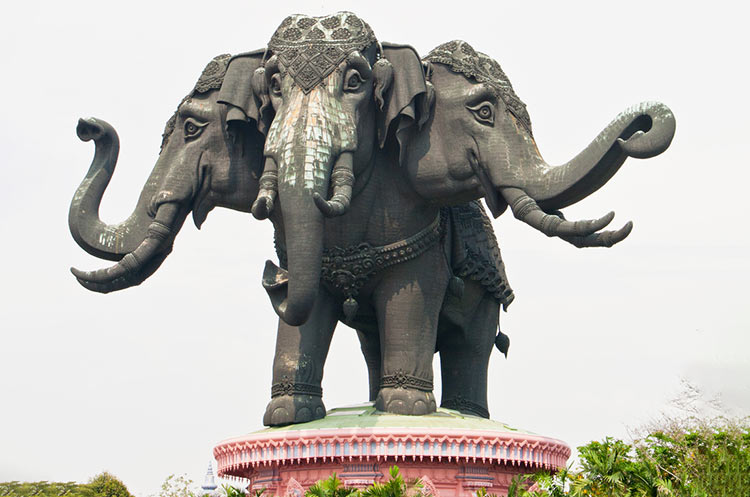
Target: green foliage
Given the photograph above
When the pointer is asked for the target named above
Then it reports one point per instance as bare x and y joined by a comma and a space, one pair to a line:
102, 485
231, 491
44, 489
701, 459
396, 486
332, 487
176, 486
677, 460
107, 485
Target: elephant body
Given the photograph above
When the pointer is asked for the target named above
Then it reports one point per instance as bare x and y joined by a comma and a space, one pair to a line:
467, 325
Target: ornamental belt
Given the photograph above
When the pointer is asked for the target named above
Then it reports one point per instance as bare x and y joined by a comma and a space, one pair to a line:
348, 269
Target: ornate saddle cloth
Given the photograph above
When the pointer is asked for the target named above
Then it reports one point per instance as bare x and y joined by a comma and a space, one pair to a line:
475, 253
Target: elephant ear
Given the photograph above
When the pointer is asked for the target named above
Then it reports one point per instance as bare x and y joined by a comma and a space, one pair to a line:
406, 103
244, 109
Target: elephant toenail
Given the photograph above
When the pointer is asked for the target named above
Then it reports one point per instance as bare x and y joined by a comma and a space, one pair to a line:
280, 416
419, 408
304, 414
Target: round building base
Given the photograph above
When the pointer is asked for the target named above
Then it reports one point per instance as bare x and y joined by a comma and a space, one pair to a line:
453, 454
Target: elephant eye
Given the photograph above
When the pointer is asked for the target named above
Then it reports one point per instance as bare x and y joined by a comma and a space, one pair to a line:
276, 85
484, 113
193, 128
353, 80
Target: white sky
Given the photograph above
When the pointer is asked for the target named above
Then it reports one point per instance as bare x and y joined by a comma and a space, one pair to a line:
144, 382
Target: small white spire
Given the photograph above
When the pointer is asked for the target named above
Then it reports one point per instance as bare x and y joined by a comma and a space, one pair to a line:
209, 483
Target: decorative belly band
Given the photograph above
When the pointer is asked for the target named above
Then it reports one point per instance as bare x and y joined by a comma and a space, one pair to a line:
348, 269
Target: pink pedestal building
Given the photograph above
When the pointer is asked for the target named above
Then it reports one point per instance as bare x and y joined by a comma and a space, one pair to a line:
453, 454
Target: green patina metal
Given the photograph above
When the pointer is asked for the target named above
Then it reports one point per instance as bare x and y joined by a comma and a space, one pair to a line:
366, 416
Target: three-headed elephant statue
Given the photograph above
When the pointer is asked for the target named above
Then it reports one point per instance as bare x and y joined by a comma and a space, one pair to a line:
370, 163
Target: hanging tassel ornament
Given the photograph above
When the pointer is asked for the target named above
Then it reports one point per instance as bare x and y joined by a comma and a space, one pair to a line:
350, 309
502, 342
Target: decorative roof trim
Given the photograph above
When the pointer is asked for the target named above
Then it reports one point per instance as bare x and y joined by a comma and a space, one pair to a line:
272, 449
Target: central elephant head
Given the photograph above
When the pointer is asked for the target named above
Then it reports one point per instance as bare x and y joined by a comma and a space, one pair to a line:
479, 143
329, 93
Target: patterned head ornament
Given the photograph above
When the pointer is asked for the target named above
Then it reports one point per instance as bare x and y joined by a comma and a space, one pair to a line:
460, 57
211, 79
310, 48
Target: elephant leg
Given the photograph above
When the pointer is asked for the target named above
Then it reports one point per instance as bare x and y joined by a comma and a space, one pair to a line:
369, 341
408, 300
465, 346
296, 393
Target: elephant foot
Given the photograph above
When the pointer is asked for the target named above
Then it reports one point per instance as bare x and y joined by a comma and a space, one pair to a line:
407, 401
290, 409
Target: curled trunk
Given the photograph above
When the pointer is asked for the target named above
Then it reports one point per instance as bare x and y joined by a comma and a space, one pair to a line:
642, 131
108, 241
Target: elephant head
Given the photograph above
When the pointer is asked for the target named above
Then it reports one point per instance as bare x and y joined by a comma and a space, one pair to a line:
203, 163
329, 93
479, 143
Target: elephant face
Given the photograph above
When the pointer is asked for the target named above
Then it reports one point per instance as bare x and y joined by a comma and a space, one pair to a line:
480, 144
329, 85
202, 164
210, 164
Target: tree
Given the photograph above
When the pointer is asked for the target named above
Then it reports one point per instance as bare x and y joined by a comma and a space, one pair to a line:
176, 486
107, 485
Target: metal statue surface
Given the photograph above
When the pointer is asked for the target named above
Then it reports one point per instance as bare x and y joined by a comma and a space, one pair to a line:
370, 162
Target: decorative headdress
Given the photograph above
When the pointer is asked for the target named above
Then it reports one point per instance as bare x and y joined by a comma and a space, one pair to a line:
460, 57
211, 79
310, 48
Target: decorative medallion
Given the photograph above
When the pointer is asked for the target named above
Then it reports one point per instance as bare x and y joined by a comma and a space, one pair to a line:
294, 489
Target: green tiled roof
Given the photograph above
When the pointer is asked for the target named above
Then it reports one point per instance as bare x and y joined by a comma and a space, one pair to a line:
366, 416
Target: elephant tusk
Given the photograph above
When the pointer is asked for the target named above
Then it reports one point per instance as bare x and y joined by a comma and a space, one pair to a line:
137, 265
268, 188
342, 180
527, 210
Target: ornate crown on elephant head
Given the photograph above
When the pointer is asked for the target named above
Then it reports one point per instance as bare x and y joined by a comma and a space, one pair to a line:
333, 39
211, 78
462, 58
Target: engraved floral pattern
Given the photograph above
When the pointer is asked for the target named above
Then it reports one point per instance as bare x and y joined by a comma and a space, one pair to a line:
310, 48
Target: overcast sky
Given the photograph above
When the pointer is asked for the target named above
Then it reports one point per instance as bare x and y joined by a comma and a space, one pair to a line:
144, 382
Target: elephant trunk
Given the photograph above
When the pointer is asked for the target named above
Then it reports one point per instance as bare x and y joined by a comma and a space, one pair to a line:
176, 183
311, 142
108, 241
304, 226
642, 131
